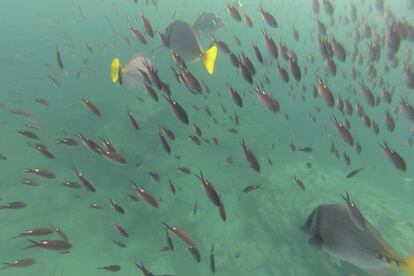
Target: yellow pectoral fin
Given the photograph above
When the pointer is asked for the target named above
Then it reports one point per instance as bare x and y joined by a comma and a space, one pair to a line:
209, 58
115, 65
407, 265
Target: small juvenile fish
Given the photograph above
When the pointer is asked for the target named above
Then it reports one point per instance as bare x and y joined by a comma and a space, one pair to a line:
354, 172
195, 253
298, 182
120, 229
251, 188
111, 268
91, 106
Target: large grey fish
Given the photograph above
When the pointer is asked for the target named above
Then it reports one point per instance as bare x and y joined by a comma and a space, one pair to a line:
183, 40
330, 227
208, 23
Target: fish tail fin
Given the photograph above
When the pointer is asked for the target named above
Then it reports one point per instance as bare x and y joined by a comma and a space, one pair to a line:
209, 58
115, 70
34, 244
407, 265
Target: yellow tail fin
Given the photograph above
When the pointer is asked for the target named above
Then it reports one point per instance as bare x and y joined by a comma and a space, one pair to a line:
115, 65
407, 265
209, 58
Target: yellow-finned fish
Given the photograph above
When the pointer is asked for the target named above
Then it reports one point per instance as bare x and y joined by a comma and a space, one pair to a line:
330, 227
132, 72
183, 40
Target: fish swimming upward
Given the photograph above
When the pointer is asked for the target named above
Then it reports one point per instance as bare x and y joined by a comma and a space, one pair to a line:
331, 228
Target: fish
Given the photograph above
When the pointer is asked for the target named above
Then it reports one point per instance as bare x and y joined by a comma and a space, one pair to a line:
41, 172
13, 205
251, 158
42, 231
149, 198
183, 40
208, 23
54, 245
184, 236
396, 159
212, 260
19, 263
209, 189
355, 172
331, 228
111, 268
133, 74
355, 213
177, 109
59, 59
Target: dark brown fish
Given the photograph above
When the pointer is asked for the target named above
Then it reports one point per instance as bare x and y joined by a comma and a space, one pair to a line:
138, 35
59, 59
164, 142
354, 172
251, 188
195, 253
172, 187
155, 176
90, 144
367, 94
13, 205
325, 93
343, 131
147, 25
209, 189
389, 121
68, 141
212, 260
267, 100
132, 119
222, 211
234, 95
150, 199
306, 149
270, 44
294, 67
144, 270
234, 12
119, 244
85, 182
251, 158
42, 173
91, 106
55, 245
42, 149
394, 157
282, 73
184, 236
60, 233
169, 240
151, 92
407, 109
298, 182
355, 214
116, 207
177, 109
19, 263
248, 20
42, 231
170, 134
114, 156
257, 52
184, 170
120, 230
29, 134
111, 268
268, 17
